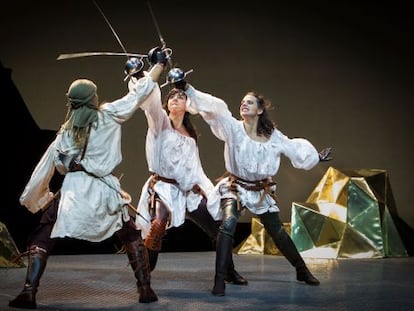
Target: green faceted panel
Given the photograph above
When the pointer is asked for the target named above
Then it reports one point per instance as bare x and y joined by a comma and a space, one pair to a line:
393, 245
368, 225
358, 201
299, 233
312, 221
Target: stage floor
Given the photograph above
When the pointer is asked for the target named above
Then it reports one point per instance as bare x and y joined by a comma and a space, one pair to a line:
183, 281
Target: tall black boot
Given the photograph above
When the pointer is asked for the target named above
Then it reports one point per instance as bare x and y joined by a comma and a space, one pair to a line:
284, 243
35, 268
233, 276
203, 219
138, 258
223, 253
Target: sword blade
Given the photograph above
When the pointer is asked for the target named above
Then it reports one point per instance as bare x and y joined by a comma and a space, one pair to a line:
87, 54
163, 43
110, 26
154, 20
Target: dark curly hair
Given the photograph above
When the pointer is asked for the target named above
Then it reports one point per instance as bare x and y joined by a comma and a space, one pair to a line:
265, 125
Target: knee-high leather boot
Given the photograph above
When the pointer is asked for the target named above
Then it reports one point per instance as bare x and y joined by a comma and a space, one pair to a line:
35, 268
225, 244
203, 219
233, 276
223, 253
153, 240
138, 258
284, 243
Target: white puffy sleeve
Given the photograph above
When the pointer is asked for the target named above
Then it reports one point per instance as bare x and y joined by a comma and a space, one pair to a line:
157, 117
301, 153
37, 193
213, 110
122, 109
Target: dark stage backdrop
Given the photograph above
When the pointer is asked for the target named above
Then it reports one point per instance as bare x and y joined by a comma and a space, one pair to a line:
338, 74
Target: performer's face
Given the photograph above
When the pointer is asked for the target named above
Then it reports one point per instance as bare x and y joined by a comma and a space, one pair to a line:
177, 103
249, 107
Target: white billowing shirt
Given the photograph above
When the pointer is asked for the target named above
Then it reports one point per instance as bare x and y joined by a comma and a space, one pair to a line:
174, 156
91, 207
246, 158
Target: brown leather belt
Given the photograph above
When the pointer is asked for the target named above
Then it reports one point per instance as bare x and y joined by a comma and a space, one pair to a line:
77, 167
257, 185
156, 177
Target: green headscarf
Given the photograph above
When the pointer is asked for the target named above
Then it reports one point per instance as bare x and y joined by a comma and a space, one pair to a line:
83, 110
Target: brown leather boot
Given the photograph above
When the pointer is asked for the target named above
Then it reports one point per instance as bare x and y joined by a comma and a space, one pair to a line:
138, 258
35, 268
153, 258
153, 240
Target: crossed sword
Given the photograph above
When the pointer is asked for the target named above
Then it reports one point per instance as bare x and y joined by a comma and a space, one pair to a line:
124, 53
85, 54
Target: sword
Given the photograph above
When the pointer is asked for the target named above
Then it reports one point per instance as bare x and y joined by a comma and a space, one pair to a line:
169, 82
156, 25
85, 54
164, 44
110, 26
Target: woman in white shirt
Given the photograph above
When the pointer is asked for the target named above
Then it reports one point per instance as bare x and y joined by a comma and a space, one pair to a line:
252, 152
90, 204
178, 186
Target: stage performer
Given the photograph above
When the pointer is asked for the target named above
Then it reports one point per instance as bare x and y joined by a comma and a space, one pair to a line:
90, 204
252, 152
177, 187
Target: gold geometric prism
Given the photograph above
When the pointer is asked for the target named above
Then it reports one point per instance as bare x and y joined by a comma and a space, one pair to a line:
259, 242
8, 250
349, 214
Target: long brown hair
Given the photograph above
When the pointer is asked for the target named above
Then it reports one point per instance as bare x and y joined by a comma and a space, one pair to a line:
265, 125
187, 120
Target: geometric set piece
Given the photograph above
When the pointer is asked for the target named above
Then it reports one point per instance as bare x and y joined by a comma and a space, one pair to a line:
259, 242
8, 250
349, 214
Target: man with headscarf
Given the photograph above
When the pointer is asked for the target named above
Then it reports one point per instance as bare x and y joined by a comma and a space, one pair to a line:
91, 204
